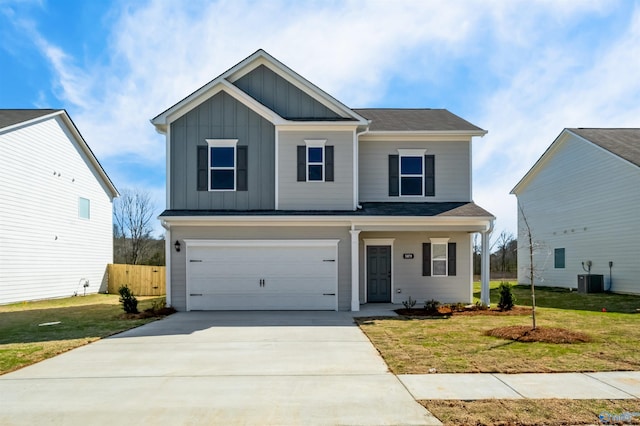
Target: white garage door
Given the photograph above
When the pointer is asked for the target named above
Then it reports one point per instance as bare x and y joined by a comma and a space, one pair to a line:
262, 275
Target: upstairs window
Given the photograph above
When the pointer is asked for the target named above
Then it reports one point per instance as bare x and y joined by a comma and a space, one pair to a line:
412, 174
84, 208
315, 161
222, 166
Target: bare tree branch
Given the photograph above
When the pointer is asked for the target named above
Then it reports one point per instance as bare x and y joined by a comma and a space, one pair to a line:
132, 215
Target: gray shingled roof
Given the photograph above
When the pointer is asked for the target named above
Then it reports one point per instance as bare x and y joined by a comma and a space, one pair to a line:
393, 119
9, 117
368, 209
624, 143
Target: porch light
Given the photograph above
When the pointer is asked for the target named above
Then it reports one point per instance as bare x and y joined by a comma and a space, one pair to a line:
177, 245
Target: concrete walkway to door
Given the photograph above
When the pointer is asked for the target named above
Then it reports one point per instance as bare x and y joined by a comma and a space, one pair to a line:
284, 368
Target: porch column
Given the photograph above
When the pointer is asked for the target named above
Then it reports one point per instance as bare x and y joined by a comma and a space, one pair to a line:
355, 270
484, 269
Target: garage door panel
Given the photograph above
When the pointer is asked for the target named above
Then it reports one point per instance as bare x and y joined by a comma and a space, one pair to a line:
269, 277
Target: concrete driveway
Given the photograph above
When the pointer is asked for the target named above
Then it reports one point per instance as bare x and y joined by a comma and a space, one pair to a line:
284, 368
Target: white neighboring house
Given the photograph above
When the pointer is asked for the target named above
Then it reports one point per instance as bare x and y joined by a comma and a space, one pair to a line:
582, 202
56, 232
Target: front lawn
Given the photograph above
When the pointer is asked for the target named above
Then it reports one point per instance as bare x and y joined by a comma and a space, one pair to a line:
458, 344
24, 341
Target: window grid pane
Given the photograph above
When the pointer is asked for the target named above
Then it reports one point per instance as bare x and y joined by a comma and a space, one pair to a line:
411, 165
315, 172
315, 155
222, 179
222, 157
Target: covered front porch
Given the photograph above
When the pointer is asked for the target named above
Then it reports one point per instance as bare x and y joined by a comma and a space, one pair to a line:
394, 258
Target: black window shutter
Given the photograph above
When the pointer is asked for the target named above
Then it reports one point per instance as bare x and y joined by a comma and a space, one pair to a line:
328, 163
241, 168
302, 163
203, 169
426, 259
451, 258
394, 177
429, 175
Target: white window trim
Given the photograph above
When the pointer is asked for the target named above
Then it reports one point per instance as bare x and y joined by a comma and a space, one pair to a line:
315, 143
222, 143
445, 242
411, 153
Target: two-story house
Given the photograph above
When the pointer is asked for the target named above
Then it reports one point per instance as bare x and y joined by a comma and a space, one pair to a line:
281, 197
56, 227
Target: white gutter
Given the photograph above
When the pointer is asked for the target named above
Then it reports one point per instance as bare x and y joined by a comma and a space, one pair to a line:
167, 257
356, 167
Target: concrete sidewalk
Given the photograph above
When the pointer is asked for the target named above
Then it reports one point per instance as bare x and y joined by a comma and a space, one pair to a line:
608, 385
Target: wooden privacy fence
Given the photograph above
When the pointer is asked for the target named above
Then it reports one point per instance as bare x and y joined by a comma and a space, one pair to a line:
143, 280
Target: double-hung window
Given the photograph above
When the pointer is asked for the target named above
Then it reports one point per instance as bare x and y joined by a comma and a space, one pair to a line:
315, 161
411, 174
439, 258
222, 166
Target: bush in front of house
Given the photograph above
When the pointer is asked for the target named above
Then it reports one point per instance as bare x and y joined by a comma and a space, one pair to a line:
507, 299
431, 306
128, 300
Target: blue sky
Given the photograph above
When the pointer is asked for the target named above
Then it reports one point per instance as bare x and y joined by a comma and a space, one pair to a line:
523, 70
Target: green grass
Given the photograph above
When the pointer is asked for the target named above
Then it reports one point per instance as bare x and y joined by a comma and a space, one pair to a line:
562, 298
459, 345
82, 320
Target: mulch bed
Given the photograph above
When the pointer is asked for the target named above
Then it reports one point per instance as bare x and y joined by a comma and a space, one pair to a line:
446, 311
150, 313
523, 333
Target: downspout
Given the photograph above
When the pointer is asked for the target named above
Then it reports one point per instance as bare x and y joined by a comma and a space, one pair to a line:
485, 268
167, 261
356, 167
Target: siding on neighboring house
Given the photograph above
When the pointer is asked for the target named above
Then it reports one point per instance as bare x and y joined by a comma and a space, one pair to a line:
222, 117
585, 200
178, 265
407, 273
452, 169
280, 96
336, 195
45, 247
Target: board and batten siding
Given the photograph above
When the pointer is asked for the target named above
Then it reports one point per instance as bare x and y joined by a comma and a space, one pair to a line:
407, 273
178, 260
46, 249
452, 169
280, 96
585, 200
222, 117
336, 195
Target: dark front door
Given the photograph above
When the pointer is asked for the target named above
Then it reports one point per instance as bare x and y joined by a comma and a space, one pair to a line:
379, 274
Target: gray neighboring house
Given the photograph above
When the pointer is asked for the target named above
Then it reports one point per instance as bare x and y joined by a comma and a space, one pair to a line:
281, 197
582, 202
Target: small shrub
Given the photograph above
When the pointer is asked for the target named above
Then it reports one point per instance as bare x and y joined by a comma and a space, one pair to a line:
159, 304
409, 304
431, 305
507, 299
128, 300
480, 306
